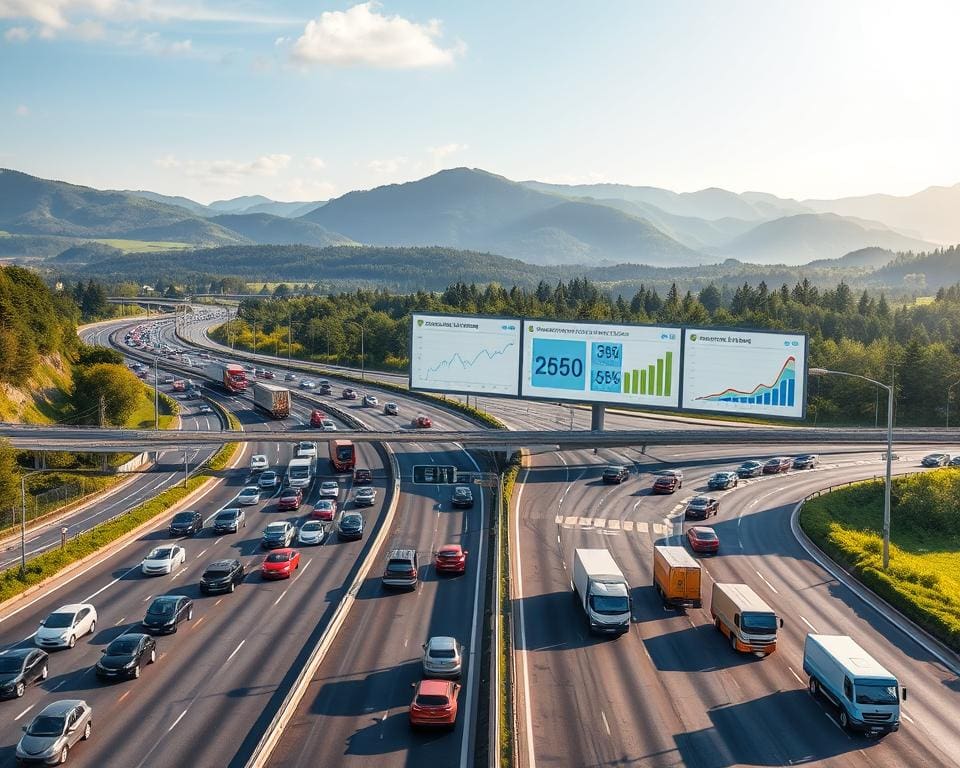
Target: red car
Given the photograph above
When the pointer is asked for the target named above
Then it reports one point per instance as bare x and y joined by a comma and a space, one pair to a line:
668, 482
316, 418
291, 498
703, 539
434, 704
280, 563
451, 558
422, 422
777, 465
325, 509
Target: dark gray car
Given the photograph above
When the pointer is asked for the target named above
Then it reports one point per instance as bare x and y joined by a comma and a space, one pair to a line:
54, 731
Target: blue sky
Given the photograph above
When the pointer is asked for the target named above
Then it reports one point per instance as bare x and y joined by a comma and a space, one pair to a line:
307, 100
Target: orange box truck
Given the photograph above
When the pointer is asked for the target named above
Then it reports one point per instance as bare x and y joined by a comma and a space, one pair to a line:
676, 576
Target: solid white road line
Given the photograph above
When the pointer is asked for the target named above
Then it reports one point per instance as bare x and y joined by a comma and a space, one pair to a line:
235, 650
24, 712
531, 758
177, 721
767, 583
807, 623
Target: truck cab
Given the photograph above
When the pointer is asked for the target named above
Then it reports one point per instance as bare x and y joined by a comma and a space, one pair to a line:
602, 591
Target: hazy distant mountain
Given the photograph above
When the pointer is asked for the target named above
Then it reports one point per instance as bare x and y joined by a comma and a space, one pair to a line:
238, 204
927, 271
805, 237
933, 214
265, 228
870, 258
193, 206
286, 210
466, 208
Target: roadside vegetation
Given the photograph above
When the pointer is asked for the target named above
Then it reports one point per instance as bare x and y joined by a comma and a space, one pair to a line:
923, 580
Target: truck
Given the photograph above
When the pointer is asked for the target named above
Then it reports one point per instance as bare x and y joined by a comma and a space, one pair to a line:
866, 695
676, 576
740, 614
602, 591
232, 377
343, 456
300, 472
272, 398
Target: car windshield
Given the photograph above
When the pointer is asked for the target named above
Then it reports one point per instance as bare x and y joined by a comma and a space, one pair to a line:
183, 517
699, 503
161, 608
399, 565
271, 475
764, 623
351, 520
312, 527
443, 653
278, 557
344, 452
10, 665
880, 692
299, 473
609, 606
271, 531
231, 515
329, 486
58, 620
122, 645
160, 554
430, 700
45, 725
251, 491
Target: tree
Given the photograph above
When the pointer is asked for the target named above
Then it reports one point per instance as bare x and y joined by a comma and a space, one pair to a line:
90, 355
710, 298
120, 389
9, 478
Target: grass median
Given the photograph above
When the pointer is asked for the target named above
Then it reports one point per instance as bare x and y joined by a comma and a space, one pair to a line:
923, 580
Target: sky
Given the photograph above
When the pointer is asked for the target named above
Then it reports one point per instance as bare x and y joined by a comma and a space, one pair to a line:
304, 100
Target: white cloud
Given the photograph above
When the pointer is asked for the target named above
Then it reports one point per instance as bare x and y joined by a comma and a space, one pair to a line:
153, 44
22, 111
226, 171
316, 163
307, 189
17, 34
438, 155
362, 36
387, 167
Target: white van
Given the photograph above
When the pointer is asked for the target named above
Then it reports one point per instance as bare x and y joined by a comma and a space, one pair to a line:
299, 473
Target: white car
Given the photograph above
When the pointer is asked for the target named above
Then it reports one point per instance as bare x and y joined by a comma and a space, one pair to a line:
307, 384
258, 462
370, 400
306, 450
365, 497
312, 532
327, 425
205, 409
163, 560
329, 489
62, 627
249, 495
269, 479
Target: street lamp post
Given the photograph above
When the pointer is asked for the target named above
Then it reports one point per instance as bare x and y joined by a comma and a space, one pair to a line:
949, 390
362, 355
887, 483
156, 393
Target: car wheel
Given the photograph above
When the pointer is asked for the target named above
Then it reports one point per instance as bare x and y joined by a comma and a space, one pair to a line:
190, 615
232, 586
71, 642
93, 626
136, 672
44, 673
153, 655
844, 719
814, 687
733, 641
86, 730
63, 755
20, 689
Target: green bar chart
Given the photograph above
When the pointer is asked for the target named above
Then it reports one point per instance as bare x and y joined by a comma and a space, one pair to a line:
656, 379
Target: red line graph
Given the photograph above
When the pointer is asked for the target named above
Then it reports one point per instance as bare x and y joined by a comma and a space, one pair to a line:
791, 363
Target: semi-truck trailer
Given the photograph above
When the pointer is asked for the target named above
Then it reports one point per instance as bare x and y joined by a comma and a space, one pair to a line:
865, 694
343, 455
232, 377
273, 399
676, 576
602, 591
740, 614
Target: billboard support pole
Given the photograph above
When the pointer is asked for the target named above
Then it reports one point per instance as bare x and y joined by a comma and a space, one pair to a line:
596, 417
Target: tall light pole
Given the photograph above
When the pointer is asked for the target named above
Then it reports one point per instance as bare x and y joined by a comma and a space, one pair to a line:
886, 488
156, 393
949, 390
362, 355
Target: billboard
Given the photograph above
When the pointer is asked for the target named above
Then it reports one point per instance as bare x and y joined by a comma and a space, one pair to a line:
467, 355
636, 365
756, 373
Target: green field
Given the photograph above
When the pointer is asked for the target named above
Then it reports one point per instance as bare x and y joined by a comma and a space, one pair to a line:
923, 580
142, 246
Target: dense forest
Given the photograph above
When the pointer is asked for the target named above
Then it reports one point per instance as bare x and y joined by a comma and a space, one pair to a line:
916, 345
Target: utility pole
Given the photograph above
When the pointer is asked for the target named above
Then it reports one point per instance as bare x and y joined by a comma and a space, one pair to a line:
103, 410
156, 393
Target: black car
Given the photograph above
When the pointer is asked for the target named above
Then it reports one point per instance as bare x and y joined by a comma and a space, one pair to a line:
701, 507
186, 523
615, 474
750, 469
229, 520
362, 476
222, 576
19, 667
720, 481
806, 461
936, 460
324, 388
126, 655
350, 526
462, 496
166, 612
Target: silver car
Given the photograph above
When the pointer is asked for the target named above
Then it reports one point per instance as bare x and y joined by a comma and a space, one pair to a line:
55, 729
442, 657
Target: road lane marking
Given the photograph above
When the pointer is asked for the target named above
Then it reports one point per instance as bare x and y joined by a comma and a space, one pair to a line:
199, 621
905, 716
606, 725
794, 673
768, 584
628, 525
806, 622
614, 524
24, 712
202, 553
599, 522
528, 720
585, 521
235, 650
282, 595
643, 527
570, 520
125, 694
120, 621
177, 721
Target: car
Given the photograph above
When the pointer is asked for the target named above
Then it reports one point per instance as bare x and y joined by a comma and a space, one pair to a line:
269, 375
168, 379
312, 532
421, 422
391, 409
19, 667
349, 393
290, 376
329, 489
229, 520
317, 418
434, 704
186, 523
442, 657
54, 731
720, 481
222, 576
260, 373
328, 426
291, 498
249, 368
750, 469
362, 476
205, 409
350, 526
954, 462
163, 560
365, 497
777, 464
278, 535
280, 564
370, 401
805, 461
701, 507
615, 474
166, 613
462, 497
324, 509
324, 388
451, 558
936, 460
668, 481
126, 655
703, 539
306, 450
401, 570
249, 495
64, 626
269, 479
259, 462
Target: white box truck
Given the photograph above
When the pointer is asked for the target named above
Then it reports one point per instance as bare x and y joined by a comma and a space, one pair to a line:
740, 614
274, 399
602, 591
866, 695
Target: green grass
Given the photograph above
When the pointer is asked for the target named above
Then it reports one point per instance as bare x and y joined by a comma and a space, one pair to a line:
142, 417
923, 580
142, 246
